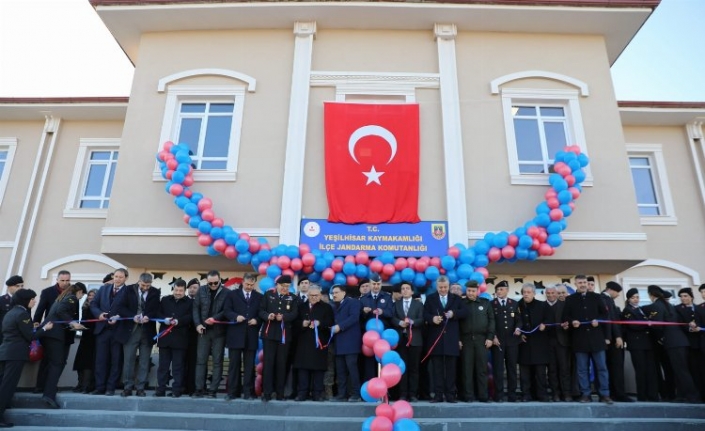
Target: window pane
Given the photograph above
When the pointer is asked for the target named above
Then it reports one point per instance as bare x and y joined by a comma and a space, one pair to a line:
100, 155
2, 168
524, 110
217, 136
3, 155
528, 140
552, 111
214, 164
90, 204
644, 186
648, 211
531, 169
555, 137
109, 188
190, 130
94, 182
193, 107
222, 107
639, 161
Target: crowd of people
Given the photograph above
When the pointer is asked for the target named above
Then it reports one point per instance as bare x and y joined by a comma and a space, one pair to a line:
457, 344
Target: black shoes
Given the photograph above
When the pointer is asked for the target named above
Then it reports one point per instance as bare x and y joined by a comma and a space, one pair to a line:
141, 393
197, 394
159, 394
51, 403
126, 393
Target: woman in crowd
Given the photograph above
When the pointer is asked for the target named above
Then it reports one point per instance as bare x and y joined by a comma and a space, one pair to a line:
84, 361
641, 349
58, 340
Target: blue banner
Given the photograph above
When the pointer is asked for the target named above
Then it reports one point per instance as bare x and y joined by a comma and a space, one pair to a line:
426, 238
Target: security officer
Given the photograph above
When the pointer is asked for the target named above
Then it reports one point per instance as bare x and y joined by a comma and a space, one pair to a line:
615, 348
476, 336
375, 304
505, 345
278, 310
641, 349
14, 352
687, 314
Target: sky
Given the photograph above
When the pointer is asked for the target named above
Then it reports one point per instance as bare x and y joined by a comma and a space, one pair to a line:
60, 48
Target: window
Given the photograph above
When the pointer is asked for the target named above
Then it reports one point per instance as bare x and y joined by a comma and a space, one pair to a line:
7, 154
671, 285
209, 120
653, 195
539, 123
92, 183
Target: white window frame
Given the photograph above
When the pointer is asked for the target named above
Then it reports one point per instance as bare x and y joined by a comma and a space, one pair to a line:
9, 145
177, 94
659, 177
569, 100
80, 171
672, 285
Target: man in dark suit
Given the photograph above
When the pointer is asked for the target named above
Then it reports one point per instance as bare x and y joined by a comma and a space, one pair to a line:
348, 343
108, 352
534, 348
559, 348
588, 339
140, 302
408, 321
278, 310
177, 312
242, 308
46, 299
207, 309
615, 348
687, 313
442, 313
505, 346
13, 284
375, 304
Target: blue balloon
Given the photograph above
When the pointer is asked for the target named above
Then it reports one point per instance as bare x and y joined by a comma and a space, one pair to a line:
349, 268
244, 258
367, 397
500, 240
375, 325
478, 277
184, 168
560, 185
489, 237
574, 165
320, 265
182, 201
464, 270
420, 280
525, 241
486, 296
392, 337
543, 208
262, 240
583, 160
328, 256
395, 278
554, 240
212, 251
242, 245
533, 255
196, 197
448, 262
266, 283
255, 261
316, 252
178, 177
361, 271
520, 231
402, 365
460, 246
273, 271
339, 279
391, 356
183, 157
432, 273
569, 157
559, 157
522, 253
481, 261
407, 274
387, 257
554, 227
404, 424
452, 276
564, 196
553, 178
280, 250
481, 247
542, 220
292, 251
194, 221
264, 255
205, 227
217, 232
567, 210
467, 256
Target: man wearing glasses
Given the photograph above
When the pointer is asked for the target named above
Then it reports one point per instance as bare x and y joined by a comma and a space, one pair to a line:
208, 307
46, 300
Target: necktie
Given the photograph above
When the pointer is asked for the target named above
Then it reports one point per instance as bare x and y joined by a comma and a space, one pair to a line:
406, 307
504, 303
374, 297
247, 297
303, 298
443, 301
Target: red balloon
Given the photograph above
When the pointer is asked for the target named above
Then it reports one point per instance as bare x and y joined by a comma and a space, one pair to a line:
349, 259
187, 218
176, 189
376, 266
245, 236
385, 410
260, 356
303, 249
273, 260
482, 270
391, 374
367, 351
205, 203
494, 254
571, 205
262, 268
328, 274
220, 245
171, 164
259, 368
553, 203
169, 174
351, 280
254, 246
560, 167
556, 214
454, 251
483, 288
370, 338
381, 423
296, 264
570, 179
435, 261
188, 193
574, 192
308, 259
230, 252
508, 252
543, 236
411, 261
381, 347
377, 388
283, 262
265, 246
162, 155
307, 269
362, 258
545, 249
533, 231
288, 272
188, 181
400, 263
207, 215
402, 410
218, 222
337, 265
513, 240
167, 146
388, 269
258, 385
550, 193
421, 265
205, 239
573, 149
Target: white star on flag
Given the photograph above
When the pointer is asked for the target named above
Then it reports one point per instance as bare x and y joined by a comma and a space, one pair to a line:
373, 176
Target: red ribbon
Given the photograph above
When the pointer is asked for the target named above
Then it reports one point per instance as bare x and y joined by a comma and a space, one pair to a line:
433, 346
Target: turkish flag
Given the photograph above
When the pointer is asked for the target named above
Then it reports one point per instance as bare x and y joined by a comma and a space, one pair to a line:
372, 162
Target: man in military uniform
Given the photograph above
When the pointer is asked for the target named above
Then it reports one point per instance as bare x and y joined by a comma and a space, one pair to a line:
686, 314
505, 345
376, 304
476, 336
278, 310
13, 284
615, 348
